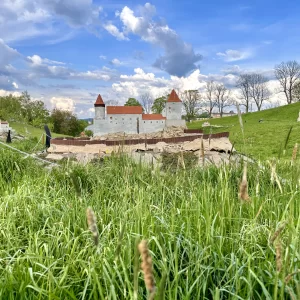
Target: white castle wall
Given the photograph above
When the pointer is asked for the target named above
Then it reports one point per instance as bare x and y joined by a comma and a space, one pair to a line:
100, 112
148, 126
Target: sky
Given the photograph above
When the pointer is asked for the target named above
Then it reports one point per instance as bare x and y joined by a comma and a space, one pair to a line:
66, 52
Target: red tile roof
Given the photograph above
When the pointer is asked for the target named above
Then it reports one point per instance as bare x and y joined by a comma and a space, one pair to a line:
130, 110
99, 101
153, 117
173, 97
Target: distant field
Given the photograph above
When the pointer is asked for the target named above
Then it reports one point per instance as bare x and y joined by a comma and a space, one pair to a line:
262, 139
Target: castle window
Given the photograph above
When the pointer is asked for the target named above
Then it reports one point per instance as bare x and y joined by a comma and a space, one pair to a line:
111, 118
144, 121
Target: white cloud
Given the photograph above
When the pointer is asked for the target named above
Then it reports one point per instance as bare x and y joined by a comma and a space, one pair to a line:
63, 103
115, 62
161, 35
234, 55
113, 30
102, 57
96, 75
7, 93
15, 85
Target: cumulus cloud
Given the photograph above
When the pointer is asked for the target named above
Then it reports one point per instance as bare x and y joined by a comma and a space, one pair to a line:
113, 30
161, 35
63, 103
234, 55
26, 18
115, 62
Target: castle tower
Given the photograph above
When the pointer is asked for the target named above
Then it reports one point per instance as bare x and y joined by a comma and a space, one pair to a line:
99, 108
173, 110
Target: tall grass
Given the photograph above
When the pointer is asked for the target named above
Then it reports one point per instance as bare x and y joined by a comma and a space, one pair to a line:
204, 243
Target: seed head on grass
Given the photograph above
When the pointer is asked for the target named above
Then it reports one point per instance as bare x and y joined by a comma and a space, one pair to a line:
92, 223
294, 155
277, 232
278, 256
147, 268
243, 193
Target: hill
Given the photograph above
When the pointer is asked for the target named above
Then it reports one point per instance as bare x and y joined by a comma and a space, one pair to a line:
263, 139
30, 131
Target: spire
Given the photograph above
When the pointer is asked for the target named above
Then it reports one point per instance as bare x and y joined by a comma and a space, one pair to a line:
99, 102
173, 97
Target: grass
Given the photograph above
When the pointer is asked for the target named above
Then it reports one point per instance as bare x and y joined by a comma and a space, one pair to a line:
204, 243
31, 131
263, 139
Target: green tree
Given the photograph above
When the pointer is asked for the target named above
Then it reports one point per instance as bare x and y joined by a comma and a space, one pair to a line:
159, 104
132, 102
65, 122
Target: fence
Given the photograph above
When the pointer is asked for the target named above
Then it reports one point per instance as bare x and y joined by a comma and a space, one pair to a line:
172, 140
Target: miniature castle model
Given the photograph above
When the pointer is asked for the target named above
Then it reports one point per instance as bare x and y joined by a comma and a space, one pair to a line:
131, 119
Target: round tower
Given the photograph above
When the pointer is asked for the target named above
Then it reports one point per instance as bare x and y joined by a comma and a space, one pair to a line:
99, 108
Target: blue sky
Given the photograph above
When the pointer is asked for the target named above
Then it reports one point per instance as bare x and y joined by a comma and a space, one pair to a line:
65, 52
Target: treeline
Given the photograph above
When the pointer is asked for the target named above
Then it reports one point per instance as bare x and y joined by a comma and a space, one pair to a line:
34, 112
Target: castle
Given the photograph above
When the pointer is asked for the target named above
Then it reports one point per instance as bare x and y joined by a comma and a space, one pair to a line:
131, 119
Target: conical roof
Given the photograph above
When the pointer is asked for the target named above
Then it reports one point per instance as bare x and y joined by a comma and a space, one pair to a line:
173, 97
99, 101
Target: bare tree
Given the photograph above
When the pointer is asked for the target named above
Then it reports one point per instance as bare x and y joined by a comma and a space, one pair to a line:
222, 95
287, 74
191, 100
243, 84
147, 102
210, 89
259, 91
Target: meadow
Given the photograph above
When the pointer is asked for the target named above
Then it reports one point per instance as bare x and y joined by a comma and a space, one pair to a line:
265, 132
205, 242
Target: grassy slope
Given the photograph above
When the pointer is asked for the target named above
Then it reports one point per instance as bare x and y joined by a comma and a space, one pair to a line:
207, 243
263, 140
34, 132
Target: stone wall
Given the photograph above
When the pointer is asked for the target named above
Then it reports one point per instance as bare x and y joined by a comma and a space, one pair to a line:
173, 140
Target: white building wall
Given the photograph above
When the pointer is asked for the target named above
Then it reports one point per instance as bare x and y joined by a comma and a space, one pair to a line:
99, 112
173, 113
4, 127
148, 126
116, 123
173, 110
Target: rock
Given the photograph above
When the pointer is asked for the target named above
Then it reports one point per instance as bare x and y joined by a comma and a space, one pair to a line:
298, 120
205, 124
54, 156
221, 145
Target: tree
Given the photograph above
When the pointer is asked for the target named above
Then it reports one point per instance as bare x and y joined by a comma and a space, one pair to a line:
222, 95
259, 91
296, 91
147, 102
65, 122
191, 100
210, 89
132, 102
287, 74
159, 104
243, 84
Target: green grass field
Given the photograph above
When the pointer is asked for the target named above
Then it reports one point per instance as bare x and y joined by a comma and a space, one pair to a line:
205, 243
264, 139
31, 131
